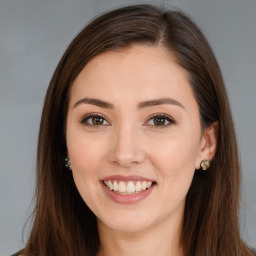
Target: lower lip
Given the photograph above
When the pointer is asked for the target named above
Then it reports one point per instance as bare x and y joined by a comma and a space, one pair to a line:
127, 199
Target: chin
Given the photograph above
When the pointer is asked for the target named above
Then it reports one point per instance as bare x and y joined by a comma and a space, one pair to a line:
128, 227
128, 223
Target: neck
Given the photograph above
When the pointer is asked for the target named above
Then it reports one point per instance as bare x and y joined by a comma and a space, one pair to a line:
162, 239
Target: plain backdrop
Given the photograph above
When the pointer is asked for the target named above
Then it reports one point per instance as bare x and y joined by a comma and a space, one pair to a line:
33, 37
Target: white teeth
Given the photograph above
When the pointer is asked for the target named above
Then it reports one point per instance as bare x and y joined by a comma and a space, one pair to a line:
149, 183
130, 187
144, 185
115, 186
122, 187
109, 184
127, 188
138, 186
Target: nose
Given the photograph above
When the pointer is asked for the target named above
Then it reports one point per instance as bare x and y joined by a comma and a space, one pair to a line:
126, 147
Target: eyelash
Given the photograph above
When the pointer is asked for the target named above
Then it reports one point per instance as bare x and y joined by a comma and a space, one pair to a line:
164, 116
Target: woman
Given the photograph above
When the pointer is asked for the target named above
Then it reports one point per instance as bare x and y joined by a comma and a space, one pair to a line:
138, 109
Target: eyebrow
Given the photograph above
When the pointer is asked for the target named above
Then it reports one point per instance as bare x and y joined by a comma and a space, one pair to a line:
141, 105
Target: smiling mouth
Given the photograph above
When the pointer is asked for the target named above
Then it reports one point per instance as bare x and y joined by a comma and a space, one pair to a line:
128, 187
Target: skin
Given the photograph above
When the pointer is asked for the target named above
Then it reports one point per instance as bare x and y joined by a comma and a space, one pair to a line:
128, 142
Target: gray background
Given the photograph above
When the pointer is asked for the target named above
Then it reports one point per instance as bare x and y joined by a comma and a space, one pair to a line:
33, 37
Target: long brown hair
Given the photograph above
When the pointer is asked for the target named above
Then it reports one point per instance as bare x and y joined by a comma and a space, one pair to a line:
63, 224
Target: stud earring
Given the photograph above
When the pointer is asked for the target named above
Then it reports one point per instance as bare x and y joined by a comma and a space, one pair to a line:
68, 164
205, 164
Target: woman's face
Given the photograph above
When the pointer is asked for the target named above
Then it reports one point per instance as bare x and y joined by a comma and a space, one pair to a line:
134, 137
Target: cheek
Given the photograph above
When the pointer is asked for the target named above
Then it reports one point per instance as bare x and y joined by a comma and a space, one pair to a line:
85, 153
175, 162
175, 157
86, 157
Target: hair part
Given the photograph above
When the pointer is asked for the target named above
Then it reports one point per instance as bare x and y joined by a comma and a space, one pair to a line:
63, 224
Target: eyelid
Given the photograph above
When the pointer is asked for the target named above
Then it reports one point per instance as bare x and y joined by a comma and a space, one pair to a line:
91, 115
166, 116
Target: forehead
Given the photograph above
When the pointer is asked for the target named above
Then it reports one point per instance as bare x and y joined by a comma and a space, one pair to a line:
141, 61
136, 73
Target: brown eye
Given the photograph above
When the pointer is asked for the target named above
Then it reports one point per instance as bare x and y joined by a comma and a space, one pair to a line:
97, 120
160, 121
94, 120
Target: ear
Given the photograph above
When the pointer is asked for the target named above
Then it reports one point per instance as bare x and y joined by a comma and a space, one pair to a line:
208, 145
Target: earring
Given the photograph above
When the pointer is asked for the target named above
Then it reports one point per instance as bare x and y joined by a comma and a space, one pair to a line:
68, 164
205, 164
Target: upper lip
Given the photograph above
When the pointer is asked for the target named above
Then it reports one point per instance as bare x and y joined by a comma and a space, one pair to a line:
127, 178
